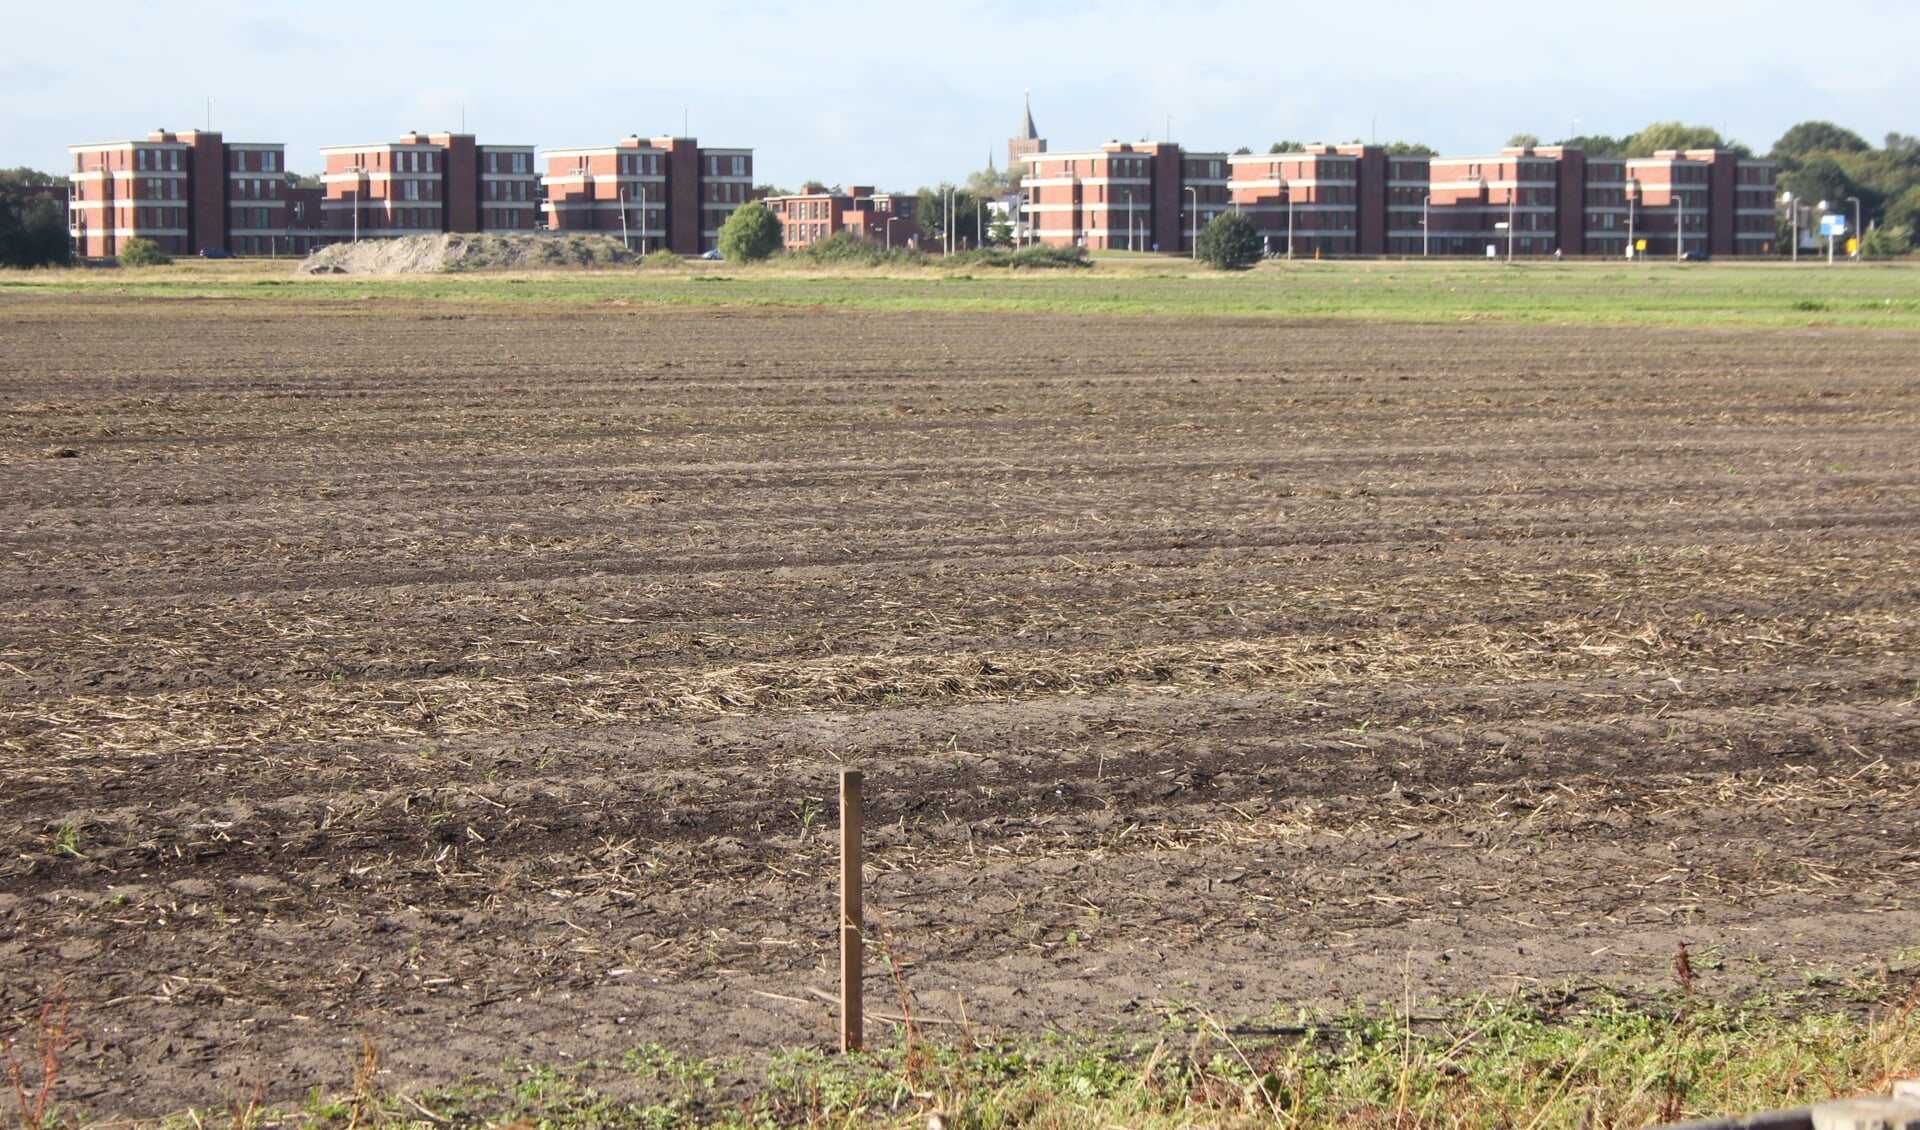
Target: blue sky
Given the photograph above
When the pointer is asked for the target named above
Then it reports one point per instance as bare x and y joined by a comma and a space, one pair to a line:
905, 94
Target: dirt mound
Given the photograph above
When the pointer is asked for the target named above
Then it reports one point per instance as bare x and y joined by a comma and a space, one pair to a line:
428, 254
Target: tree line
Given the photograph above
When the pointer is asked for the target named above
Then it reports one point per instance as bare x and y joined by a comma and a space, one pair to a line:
33, 226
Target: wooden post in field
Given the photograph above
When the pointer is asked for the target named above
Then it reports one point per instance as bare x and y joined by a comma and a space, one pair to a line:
852, 916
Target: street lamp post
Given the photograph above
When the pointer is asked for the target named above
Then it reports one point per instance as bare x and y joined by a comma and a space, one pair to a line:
1679, 227
1286, 188
891, 220
358, 171
1513, 196
1426, 226
626, 241
1859, 231
1633, 198
1828, 230
1193, 223
1793, 222
1129, 219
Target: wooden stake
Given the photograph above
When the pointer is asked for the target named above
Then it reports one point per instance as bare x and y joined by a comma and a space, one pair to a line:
852, 913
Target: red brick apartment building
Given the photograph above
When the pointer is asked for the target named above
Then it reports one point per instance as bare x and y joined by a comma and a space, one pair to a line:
807, 218
659, 192
1136, 196
185, 191
428, 185
1558, 199
1333, 200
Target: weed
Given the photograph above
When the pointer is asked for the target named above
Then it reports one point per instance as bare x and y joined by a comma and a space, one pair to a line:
51, 1034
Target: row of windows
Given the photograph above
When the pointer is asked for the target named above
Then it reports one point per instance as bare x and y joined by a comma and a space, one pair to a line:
519, 162
640, 165
509, 217
263, 160
507, 190
736, 165
251, 217
256, 189
727, 192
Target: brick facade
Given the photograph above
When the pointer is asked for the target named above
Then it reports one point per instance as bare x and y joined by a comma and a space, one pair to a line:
882, 217
659, 192
1125, 196
427, 186
185, 191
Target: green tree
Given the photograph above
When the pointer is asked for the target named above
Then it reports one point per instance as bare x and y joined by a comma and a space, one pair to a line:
1411, 149
1000, 233
143, 252
1285, 147
751, 233
1816, 137
964, 222
1597, 145
1523, 141
31, 178
1904, 210
1674, 135
1229, 243
33, 231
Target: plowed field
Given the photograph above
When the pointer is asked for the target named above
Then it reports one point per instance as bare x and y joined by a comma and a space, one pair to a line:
477, 678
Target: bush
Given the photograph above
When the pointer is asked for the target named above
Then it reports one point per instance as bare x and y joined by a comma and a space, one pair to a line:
1033, 258
660, 259
752, 232
142, 252
1887, 242
845, 249
1229, 243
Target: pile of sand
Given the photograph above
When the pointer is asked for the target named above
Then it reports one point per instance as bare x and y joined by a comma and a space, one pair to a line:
428, 254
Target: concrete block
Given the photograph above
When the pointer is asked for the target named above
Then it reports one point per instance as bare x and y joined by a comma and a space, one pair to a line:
1876, 1112
1907, 1090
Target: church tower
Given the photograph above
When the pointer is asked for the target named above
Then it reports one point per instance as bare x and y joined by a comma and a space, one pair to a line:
1027, 142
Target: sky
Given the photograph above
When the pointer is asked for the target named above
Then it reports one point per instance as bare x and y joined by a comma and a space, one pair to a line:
904, 94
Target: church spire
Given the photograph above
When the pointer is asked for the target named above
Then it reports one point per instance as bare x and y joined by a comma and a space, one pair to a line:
1027, 130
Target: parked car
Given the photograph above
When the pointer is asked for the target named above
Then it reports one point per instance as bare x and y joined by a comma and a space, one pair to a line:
714, 254
215, 253
1694, 257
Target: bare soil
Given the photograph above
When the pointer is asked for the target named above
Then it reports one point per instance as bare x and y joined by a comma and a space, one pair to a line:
478, 678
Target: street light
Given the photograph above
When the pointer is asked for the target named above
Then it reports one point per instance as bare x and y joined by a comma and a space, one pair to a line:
626, 241
1679, 226
1426, 226
1633, 197
1793, 220
1129, 219
1193, 246
1859, 232
1286, 189
891, 220
358, 171
1827, 228
1513, 198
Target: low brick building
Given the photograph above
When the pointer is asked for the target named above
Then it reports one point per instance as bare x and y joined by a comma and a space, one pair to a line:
887, 218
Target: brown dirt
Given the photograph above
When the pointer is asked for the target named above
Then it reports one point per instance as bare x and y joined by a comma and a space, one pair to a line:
479, 678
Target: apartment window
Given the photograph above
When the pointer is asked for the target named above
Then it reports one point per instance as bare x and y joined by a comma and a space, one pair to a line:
413, 190
427, 160
173, 160
740, 166
269, 162
520, 162
140, 159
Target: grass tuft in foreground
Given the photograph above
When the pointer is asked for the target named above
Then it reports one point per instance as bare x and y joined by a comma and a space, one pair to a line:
1570, 1059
